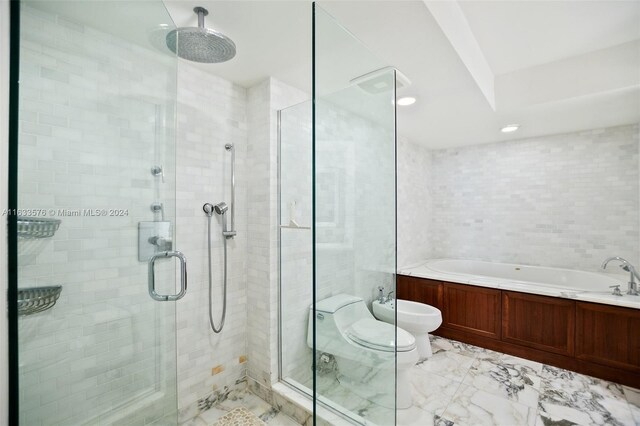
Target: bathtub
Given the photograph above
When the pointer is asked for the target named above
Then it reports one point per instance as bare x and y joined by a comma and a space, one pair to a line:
558, 282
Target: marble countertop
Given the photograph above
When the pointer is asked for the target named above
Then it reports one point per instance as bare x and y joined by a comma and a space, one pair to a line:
605, 297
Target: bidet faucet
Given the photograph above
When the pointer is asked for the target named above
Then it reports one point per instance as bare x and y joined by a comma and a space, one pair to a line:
633, 274
389, 296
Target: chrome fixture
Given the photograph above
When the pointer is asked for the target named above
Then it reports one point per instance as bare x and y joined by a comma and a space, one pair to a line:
633, 274
164, 244
158, 171
152, 277
389, 296
153, 237
232, 149
37, 299
380, 294
221, 209
616, 290
200, 44
37, 227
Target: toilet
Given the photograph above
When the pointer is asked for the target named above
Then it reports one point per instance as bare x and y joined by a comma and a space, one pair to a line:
364, 349
419, 319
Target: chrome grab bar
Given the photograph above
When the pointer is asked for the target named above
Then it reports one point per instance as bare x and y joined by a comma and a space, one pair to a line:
183, 277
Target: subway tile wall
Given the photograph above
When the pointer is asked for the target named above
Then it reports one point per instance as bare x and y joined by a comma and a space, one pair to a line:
565, 200
414, 202
211, 113
264, 100
91, 107
97, 113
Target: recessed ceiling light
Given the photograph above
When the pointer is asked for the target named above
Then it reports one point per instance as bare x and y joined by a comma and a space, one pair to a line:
407, 100
510, 128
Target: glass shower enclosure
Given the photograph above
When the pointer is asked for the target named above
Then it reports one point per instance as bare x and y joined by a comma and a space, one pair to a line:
96, 199
338, 230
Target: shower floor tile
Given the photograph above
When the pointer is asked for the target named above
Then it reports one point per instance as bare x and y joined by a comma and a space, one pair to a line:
236, 401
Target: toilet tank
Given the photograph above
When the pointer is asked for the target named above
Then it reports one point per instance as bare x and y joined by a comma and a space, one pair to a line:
334, 315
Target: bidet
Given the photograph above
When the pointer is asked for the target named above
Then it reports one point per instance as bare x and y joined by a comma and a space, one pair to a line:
418, 319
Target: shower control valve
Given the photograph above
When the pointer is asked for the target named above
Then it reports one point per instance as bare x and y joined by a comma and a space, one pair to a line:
158, 171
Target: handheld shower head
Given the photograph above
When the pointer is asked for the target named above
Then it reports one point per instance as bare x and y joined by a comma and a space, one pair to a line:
221, 208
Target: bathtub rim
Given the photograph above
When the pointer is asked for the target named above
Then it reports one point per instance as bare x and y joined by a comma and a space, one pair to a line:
422, 270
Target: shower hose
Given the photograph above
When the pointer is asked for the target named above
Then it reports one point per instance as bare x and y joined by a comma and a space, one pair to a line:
224, 291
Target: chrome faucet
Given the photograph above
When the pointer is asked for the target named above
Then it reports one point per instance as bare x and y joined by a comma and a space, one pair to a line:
633, 274
389, 296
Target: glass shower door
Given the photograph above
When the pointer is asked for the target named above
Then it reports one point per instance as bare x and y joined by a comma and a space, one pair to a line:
96, 198
354, 226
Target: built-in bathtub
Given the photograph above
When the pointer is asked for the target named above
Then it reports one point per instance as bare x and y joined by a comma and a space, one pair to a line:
562, 317
559, 282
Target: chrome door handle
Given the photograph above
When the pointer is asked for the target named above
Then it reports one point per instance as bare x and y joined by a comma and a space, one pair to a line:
183, 277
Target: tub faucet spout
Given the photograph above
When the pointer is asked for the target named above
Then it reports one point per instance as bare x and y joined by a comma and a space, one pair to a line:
633, 274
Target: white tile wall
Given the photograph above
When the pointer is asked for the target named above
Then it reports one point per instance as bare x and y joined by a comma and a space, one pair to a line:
89, 137
414, 202
211, 113
88, 140
264, 100
564, 200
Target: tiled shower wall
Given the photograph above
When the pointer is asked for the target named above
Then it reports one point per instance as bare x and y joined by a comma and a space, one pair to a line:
565, 200
90, 108
85, 144
264, 100
211, 113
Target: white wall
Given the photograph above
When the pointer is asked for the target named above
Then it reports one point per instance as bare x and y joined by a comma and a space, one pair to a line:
565, 200
4, 112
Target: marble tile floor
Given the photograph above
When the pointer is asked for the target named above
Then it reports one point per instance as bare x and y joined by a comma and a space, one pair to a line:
466, 385
240, 398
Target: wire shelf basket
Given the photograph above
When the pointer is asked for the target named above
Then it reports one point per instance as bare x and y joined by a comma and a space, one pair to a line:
37, 299
37, 228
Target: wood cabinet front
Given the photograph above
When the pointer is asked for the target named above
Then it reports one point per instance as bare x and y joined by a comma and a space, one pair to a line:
472, 309
420, 290
608, 335
541, 322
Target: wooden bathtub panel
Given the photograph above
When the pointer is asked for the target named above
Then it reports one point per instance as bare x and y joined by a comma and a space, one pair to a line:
420, 290
608, 335
541, 322
472, 309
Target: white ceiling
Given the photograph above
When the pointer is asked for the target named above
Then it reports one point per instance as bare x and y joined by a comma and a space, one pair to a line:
520, 34
541, 53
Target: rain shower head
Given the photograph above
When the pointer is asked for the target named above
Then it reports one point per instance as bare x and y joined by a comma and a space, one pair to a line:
200, 44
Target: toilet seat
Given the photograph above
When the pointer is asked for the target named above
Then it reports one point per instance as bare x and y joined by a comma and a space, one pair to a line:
378, 335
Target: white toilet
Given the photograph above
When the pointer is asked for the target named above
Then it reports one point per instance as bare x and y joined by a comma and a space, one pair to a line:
417, 318
364, 349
